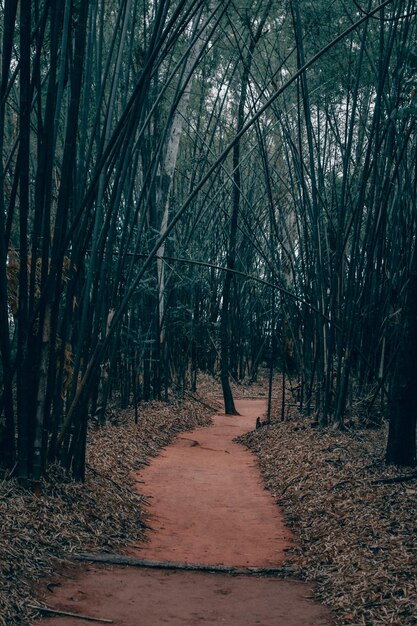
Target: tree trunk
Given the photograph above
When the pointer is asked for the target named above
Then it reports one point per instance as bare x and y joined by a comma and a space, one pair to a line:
401, 445
225, 334
164, 191
7, 433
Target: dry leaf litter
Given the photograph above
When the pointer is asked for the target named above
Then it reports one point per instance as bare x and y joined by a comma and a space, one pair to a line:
38, 534
355, 533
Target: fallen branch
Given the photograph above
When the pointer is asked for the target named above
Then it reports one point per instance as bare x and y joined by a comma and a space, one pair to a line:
44, 609
396, 479
246, 397
113, 482
121, 559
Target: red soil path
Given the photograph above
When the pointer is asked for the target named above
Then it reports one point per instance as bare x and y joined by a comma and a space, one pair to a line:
208, 506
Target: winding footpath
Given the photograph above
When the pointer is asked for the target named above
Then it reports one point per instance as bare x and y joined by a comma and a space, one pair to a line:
208, 507
208, 502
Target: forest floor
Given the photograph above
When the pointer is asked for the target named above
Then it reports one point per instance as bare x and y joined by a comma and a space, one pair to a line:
208, 507
353, 519
39, 535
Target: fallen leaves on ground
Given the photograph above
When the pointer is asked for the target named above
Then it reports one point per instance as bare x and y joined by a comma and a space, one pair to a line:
355, 533
104, 513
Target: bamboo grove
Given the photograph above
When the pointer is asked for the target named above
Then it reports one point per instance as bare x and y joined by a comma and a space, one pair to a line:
192, 185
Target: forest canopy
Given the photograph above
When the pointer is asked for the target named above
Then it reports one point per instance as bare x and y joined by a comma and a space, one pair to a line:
205, 186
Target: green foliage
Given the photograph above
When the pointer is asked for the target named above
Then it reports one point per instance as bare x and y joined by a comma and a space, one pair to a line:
320, 187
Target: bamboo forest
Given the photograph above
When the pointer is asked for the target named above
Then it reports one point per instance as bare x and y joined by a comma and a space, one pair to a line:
208, 231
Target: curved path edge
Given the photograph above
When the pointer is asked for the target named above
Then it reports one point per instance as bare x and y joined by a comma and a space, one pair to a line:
208, 502
209, 508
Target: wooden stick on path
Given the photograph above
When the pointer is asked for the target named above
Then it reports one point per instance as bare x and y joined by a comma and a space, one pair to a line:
44, 609
121, 559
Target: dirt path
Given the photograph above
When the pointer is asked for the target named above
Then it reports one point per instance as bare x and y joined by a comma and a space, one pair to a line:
208, 506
